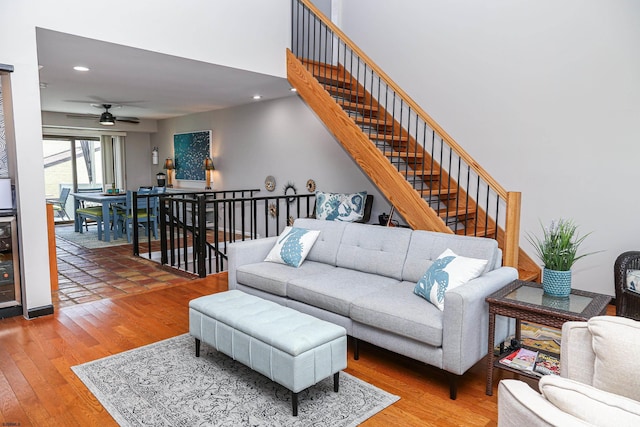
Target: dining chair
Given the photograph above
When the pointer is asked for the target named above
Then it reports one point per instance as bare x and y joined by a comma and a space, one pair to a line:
94, 213
59, 204
147, 214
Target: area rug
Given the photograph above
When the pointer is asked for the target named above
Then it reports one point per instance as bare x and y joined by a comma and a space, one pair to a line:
165, 384
89, 239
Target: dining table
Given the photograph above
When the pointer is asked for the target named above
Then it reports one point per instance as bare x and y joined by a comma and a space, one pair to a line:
103, 199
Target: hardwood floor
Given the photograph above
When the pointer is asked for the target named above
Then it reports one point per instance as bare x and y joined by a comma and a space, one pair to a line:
38, 388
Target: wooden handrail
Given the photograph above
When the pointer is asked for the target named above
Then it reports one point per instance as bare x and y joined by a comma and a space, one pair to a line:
412, 104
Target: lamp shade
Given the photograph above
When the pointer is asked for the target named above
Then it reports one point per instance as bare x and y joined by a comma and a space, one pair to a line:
107, 119
168, 164
208, 164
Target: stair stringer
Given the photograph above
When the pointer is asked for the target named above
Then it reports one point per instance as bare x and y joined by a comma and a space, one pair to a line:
371, 161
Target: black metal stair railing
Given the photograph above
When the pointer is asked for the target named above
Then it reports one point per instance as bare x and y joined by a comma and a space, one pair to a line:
196, 228
445, 176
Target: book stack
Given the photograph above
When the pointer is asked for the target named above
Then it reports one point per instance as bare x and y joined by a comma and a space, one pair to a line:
533, 362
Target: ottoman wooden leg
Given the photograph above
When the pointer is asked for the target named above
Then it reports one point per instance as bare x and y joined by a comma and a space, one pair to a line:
197, 347
336, 381
294, 403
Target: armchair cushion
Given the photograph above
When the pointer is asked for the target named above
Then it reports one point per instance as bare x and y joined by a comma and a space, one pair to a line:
519, 405
616, 344
590, 404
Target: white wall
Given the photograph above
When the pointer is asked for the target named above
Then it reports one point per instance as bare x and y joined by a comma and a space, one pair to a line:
544, 94
283, 138
246, 34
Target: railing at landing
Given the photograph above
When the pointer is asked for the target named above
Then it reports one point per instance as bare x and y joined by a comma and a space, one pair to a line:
195, 228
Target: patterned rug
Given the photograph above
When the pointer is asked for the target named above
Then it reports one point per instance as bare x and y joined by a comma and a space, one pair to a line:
165, 384
89, 239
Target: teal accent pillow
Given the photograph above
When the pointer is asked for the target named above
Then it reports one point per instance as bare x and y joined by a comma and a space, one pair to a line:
448, 271
340, 207
293, 246
633, 280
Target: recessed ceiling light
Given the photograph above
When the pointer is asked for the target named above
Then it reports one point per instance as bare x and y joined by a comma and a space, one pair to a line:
293, 89
257, 97
80, 68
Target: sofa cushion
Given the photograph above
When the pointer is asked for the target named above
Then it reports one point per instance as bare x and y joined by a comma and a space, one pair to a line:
426, 246
292, 246
616, 344
589, 404
334, 290
447, 272
374, 249
272, 277
340, 207
326, 247
396, 309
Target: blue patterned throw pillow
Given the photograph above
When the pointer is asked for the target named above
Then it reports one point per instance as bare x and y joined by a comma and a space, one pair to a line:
448, 271
340, 207
633, 280
293, 246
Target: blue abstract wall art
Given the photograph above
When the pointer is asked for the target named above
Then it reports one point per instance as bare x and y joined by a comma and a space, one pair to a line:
190, 150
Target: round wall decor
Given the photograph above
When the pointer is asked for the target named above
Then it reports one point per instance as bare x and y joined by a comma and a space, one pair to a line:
290, 188
270, 183
311, 186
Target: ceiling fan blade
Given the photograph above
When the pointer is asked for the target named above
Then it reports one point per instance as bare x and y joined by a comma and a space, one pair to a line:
133, 120
83, 116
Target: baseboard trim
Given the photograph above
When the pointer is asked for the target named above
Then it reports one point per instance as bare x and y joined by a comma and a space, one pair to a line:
16, 310
39, 311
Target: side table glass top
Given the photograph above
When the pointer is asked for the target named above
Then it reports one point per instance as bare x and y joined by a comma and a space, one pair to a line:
534, 295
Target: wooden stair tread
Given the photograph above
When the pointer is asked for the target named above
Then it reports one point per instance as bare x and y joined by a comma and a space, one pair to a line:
419, 173
373, 122
310, 63
428, 193
528, 276
405, 154
452, 213
387, 137
358, 106
479, 232
343, 91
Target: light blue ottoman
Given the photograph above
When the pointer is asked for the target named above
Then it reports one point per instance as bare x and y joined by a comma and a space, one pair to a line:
291, 348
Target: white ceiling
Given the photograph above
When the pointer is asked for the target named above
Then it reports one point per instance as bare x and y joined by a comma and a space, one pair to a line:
146, 84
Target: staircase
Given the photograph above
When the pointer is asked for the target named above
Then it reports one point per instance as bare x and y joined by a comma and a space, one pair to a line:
426, 176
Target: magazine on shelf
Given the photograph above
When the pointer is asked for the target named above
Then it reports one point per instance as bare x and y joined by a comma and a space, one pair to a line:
507, 359
524, 360
547, 364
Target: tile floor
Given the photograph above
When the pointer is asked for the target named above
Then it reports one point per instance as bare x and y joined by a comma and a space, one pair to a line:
91, 274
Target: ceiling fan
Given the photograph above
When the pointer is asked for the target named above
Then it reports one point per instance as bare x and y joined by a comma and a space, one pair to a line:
106, 118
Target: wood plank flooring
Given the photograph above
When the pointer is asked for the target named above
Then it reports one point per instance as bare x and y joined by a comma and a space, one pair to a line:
38, 388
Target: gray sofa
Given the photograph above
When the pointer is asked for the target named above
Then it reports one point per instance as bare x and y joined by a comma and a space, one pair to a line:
362, 277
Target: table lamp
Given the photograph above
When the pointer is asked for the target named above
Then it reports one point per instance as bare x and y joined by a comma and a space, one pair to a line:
208, 167
168, 165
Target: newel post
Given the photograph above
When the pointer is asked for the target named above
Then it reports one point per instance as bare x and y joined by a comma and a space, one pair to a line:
512, 230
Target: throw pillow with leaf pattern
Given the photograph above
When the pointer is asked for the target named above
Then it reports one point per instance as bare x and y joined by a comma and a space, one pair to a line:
293, 246
340, 207
448, 271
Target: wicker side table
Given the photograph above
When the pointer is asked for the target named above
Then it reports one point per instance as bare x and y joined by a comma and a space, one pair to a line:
526, 301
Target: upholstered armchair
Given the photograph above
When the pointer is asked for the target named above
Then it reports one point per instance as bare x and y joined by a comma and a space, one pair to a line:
627, 287
597, 385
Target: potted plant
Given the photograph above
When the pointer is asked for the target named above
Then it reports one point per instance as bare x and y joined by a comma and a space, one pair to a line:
558, 250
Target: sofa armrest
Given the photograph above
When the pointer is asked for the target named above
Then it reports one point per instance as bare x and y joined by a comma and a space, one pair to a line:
520, 405
576, 352
247, 252
465, 326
